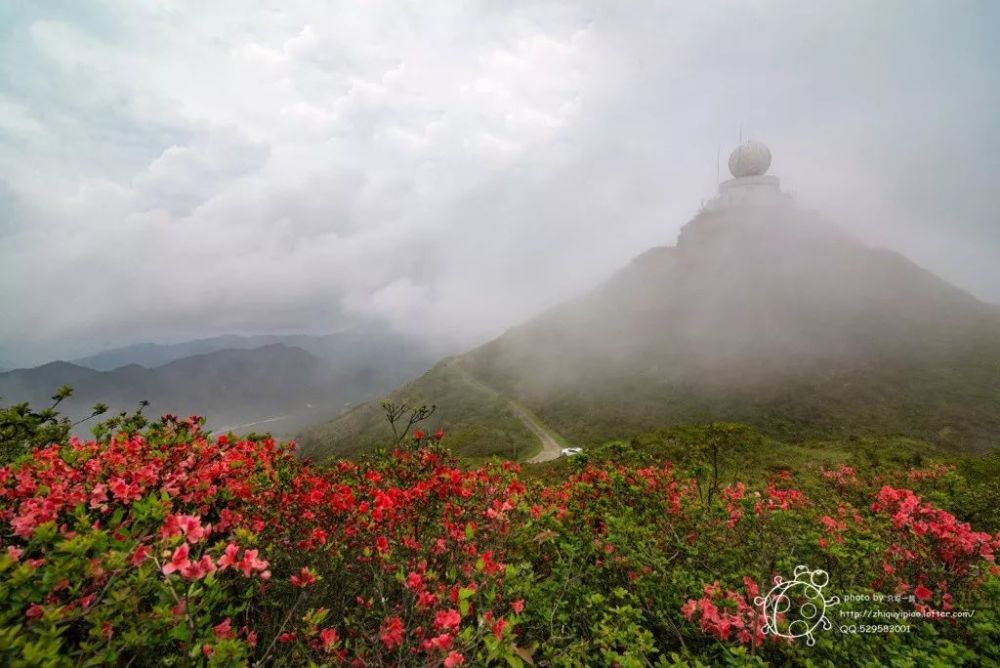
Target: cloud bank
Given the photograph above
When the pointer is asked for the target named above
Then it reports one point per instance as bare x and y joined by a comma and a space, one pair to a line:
172, 169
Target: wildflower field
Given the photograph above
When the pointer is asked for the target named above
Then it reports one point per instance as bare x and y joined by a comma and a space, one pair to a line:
161, 544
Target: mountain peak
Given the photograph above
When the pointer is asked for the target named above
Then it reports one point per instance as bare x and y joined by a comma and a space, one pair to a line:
764, 313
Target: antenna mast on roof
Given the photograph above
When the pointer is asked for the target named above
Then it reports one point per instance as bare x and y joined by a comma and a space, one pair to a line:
739, 145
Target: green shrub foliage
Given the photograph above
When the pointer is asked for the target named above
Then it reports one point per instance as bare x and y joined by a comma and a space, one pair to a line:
156, 543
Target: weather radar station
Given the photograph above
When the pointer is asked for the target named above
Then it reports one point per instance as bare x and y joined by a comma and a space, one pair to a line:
751, 185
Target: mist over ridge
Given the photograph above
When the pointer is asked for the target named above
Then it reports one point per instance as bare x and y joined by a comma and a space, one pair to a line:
745, 293
763, 312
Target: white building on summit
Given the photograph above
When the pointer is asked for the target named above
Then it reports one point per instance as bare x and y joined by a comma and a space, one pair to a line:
750, 185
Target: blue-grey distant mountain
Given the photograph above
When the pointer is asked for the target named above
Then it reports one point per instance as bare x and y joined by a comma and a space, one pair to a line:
365, 346
255, 384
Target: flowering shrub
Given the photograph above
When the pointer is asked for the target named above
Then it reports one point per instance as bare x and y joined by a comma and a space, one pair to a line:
728, 614
169, 545
931, 552
407, 557
133, 547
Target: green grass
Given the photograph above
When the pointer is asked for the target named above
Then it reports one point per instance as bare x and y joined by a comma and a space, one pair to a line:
952, 406
479, 423
749, 453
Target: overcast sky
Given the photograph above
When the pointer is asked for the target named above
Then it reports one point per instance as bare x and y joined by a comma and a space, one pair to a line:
171, 169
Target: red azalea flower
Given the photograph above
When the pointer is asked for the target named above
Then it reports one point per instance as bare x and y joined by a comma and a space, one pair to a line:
140, 555
498, 628
329, 638
392, 632
251, 562
304, 579
230, 557
447, 619
224, 629
415, 581
441, 642
178, 561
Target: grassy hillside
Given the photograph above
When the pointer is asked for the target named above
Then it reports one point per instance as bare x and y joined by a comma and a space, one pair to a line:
772, 318
954, 403
479, 422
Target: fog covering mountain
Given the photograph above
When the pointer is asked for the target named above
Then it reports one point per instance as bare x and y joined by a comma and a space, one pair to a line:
767, 315
256, 384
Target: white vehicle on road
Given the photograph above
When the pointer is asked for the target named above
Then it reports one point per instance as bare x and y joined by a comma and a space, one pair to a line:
569, 452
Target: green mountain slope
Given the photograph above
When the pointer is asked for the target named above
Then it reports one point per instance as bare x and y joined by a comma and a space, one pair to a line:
479, 421
769, 316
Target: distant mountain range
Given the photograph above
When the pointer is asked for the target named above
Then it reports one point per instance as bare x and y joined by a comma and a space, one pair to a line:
268, 383
770, 316
366, 345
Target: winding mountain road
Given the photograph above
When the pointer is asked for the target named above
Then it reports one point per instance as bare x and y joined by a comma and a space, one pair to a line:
551, 448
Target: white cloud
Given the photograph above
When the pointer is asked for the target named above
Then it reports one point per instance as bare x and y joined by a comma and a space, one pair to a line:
449, 168
184, 177
16, 120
